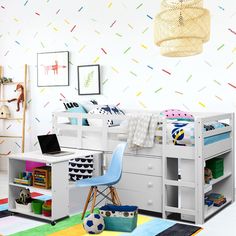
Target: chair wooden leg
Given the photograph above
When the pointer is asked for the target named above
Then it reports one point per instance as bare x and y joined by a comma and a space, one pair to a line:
87, 202
117, 196
112, 195
94, 199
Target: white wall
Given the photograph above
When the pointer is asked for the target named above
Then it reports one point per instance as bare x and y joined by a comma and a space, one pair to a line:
29, 27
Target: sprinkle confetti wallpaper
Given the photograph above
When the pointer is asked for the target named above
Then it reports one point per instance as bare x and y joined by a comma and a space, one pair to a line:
118, 35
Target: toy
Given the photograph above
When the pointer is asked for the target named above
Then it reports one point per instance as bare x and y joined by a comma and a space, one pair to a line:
24, 178
5, 80
94, 224
42, 177
208, 175
4, 112
20, 99
25, 197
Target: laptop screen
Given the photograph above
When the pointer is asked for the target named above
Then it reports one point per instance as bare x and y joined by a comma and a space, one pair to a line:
49, 143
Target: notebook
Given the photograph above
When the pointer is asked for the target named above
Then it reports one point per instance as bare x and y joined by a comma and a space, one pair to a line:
50, 146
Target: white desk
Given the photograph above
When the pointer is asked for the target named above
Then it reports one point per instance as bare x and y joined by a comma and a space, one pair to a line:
59, 174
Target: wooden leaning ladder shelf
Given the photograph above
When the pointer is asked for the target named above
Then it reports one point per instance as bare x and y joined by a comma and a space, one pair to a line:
23, 116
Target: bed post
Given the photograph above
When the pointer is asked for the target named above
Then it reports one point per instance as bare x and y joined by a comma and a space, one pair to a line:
199, 171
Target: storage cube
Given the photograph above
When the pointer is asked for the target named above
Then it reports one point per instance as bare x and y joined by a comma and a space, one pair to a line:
120, 218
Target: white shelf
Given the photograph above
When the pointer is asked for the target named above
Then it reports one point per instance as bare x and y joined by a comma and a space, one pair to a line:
218, 154
208, 187
215, 209
33, 189
30, 214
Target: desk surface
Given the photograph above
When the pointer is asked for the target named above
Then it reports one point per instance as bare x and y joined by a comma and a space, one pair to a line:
37, 156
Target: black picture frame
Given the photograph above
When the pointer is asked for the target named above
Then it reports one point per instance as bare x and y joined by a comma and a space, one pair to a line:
53, 69
89, 79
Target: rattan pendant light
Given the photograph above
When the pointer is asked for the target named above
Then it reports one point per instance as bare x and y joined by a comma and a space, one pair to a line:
181, 27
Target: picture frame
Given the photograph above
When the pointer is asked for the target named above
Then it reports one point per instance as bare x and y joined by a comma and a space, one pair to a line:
53, 69
89, 79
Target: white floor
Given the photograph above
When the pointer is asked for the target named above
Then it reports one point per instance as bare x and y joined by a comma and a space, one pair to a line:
222, 224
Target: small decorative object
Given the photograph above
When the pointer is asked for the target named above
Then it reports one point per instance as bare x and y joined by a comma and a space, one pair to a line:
20, 99
37, 206
120, 218
5, 80
181, 27
53, 69
89, 79
4, 112
208, 175
42, 177
94, 224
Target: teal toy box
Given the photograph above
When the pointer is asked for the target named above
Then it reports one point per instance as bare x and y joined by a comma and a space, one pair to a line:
120, 218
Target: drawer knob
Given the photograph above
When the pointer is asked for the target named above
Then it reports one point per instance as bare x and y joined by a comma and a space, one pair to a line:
150, 184
150, 202
149, 166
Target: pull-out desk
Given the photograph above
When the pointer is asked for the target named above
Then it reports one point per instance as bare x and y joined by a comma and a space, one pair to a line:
59, 191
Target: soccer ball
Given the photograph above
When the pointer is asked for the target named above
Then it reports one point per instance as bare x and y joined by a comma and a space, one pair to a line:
94, 223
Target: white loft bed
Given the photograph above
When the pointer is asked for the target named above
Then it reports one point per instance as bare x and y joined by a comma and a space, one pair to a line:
165, 178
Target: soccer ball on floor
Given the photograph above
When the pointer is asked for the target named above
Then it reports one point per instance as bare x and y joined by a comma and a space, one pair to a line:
94, 223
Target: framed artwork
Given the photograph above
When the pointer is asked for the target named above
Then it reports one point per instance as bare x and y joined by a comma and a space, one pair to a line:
89, 79
53, 69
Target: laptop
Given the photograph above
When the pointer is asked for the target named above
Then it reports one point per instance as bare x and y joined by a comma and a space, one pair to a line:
50, 146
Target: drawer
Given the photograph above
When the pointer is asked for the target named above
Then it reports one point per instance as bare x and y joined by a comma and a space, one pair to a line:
140, 184
143, 201
142, 165
155, 151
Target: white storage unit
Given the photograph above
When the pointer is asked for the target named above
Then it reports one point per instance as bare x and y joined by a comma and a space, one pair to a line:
60, 191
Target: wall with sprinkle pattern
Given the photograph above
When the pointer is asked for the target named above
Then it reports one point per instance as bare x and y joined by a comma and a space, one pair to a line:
118, 35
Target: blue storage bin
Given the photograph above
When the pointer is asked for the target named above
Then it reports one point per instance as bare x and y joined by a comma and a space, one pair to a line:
120, 218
